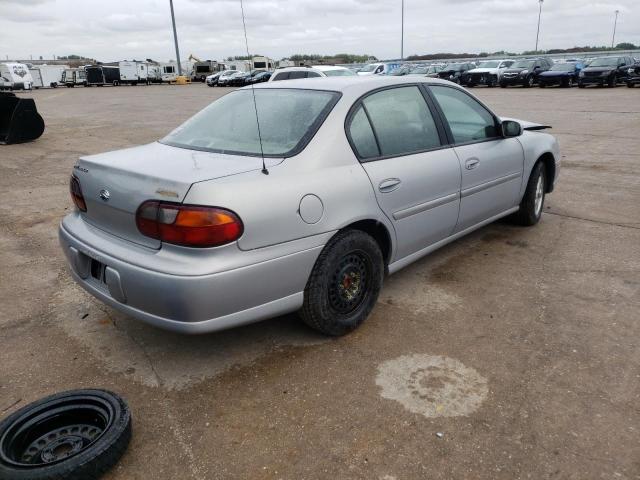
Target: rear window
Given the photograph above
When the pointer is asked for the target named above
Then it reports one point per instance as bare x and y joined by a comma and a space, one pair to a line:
288, 119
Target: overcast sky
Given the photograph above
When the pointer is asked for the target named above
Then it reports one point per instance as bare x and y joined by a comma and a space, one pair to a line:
111, 30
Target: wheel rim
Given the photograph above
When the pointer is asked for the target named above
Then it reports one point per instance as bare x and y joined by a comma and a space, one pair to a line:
350, 282
539, 195
53, 433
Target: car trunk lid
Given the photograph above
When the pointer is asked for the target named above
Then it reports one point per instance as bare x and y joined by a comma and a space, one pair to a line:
115, 184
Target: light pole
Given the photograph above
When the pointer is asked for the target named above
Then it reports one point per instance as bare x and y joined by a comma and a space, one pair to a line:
175, 38
539, 15
402, 34
615, 24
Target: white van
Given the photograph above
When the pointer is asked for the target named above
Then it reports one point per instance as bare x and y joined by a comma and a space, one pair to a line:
18, 74
45, 76
382, 68
169, 72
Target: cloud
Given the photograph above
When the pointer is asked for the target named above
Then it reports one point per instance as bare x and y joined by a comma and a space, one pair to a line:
121, 29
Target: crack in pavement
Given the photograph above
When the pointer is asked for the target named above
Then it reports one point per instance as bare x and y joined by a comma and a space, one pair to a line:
613, 224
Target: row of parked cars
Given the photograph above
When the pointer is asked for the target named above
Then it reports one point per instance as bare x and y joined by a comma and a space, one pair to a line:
603, 71
235, 78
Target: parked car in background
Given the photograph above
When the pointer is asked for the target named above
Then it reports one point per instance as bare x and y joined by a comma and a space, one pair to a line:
486, 73
381, 68
293, 73
365, 176
259, 77
74, 76
525, 72
454, 71
633, 75
225, 77
212, 80
562, 74
607, 71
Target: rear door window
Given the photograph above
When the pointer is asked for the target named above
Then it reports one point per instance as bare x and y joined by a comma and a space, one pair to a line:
362, 136
401, 122
281, 76
297, 74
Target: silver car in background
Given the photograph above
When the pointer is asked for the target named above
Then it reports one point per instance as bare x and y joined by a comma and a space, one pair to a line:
233, 218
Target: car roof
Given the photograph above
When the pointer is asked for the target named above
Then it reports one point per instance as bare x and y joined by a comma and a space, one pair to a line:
325, 68
356, 85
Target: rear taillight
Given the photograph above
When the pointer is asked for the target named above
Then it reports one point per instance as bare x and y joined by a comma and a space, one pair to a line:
76, 194
188, 225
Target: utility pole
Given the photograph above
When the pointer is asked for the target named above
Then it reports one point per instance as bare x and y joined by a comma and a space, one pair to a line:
539, 16
615, 24
402, 34
175, 38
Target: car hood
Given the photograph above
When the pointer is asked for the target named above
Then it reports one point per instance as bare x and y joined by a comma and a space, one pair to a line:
483, 70
556, 74
599, 69
515, 70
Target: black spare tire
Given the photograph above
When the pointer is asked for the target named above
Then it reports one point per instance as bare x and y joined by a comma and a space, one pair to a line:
74, 435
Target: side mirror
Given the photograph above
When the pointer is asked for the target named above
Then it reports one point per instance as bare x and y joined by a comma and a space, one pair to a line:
511, 129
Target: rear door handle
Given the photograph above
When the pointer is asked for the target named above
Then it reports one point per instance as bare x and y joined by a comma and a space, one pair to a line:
471, 163
389, 185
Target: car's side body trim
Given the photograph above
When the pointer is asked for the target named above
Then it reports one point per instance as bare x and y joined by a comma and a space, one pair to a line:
403, 262
484, 186
423, 207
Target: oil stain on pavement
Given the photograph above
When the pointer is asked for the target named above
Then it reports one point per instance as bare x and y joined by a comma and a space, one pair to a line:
433, 386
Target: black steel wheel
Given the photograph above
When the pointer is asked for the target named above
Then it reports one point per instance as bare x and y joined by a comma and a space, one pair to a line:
75, 435
344, 284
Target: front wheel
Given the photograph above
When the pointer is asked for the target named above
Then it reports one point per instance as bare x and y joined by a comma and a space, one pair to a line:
612, 82
344, 284
533, 200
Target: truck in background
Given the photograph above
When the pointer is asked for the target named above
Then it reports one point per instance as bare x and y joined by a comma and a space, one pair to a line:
47, 76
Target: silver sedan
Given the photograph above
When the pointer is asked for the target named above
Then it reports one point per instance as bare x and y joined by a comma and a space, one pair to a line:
298, 197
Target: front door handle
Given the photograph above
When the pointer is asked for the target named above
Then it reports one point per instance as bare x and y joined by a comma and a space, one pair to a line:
389, 185
471, 163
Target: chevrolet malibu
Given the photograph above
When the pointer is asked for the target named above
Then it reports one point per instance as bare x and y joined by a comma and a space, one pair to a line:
297, 198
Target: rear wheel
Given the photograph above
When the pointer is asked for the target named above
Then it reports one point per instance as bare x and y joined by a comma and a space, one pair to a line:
503, 85
344, 284
629, 84
612, 82
533, 200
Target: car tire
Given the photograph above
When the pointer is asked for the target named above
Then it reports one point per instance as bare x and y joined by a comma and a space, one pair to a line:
630, 85
581, 85
532, 202
503, 85
529, 82
80, 435
611, 83
344, 284
542, 85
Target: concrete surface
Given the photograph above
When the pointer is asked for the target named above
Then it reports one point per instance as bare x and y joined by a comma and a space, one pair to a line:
512, 353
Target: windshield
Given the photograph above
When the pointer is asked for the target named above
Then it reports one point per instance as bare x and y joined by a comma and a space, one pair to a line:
604, 62
523, 64
339, 73
489, 65
563, 67
288, 119
369, 68
453, 66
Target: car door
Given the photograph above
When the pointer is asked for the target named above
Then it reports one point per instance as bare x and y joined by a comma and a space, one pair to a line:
414, 173
491, 166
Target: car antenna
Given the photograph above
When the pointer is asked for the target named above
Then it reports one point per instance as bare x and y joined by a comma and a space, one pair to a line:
253, 92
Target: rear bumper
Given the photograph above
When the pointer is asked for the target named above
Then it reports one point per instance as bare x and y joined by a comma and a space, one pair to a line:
191, 303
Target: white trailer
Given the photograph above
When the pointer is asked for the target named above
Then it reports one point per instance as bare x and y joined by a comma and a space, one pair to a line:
133, 73
45, 76
74, 76
16, 74
154, 73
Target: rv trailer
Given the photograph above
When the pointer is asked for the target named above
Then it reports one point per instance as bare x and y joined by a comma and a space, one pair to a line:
47, 76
